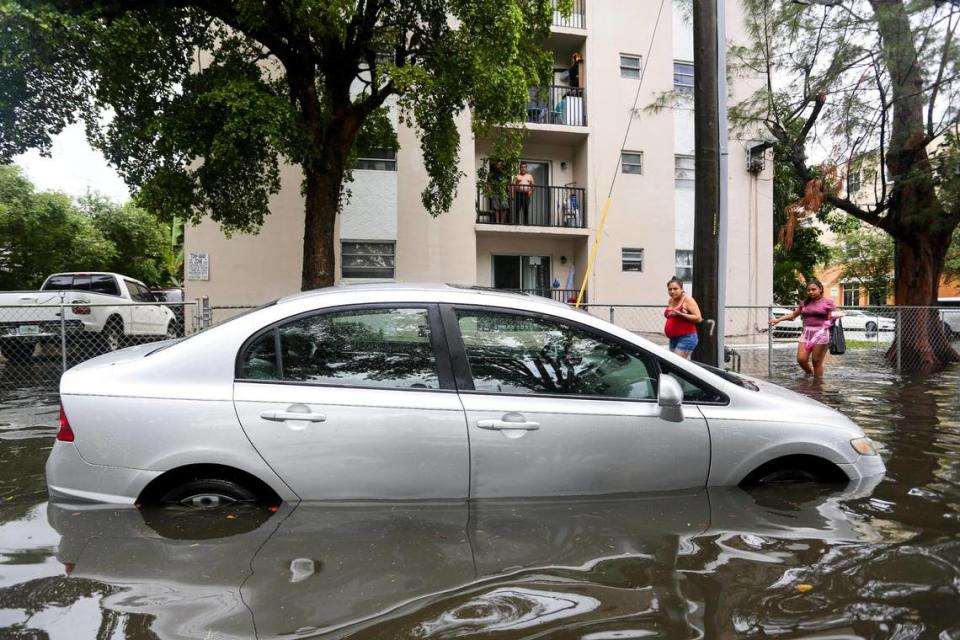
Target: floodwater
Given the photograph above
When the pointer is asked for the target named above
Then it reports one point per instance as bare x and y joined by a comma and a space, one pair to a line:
870, 562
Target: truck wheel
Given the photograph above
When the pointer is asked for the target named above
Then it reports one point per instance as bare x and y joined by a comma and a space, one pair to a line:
111, 338
17, 353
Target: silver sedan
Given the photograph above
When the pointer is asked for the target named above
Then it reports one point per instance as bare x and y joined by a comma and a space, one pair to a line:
398, 392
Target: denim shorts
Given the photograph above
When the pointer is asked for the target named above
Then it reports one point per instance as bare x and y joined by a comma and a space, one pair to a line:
686, 343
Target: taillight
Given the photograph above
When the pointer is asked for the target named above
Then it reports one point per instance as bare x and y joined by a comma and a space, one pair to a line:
81, 310
65, 434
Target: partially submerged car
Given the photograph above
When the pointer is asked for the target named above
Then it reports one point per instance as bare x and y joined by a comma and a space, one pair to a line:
401, 392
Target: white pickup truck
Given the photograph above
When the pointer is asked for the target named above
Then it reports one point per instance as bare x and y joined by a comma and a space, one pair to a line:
102, 311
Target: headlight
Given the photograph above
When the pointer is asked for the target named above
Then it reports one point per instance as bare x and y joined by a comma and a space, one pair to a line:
863, 446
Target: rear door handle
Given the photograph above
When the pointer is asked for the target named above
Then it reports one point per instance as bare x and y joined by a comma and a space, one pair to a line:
503, 425
283, 416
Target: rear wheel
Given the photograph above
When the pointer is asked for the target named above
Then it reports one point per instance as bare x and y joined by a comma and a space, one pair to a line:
208, 493
17, 352
871, 327
111, 338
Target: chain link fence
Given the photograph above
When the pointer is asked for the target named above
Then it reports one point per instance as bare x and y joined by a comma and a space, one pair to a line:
904, 339
39, 342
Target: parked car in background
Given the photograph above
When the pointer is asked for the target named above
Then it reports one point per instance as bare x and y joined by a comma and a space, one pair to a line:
787, 328
173, 296
102, 311
867, 321
401, 392
950, 313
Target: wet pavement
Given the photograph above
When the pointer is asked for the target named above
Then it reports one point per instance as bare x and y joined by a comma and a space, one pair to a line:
872, 562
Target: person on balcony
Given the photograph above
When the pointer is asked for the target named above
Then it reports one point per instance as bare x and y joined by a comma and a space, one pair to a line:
522, 189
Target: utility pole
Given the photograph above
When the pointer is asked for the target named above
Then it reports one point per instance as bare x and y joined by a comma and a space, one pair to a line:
710, 209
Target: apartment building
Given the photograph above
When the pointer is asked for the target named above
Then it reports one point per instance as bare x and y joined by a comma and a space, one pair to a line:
541, 242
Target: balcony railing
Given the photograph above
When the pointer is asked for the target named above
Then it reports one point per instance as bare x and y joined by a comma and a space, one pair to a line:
560, 295
533, 206
577, 18
557, 105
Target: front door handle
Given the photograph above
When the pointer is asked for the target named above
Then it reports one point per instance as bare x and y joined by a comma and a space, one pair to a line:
504, 425
283, 416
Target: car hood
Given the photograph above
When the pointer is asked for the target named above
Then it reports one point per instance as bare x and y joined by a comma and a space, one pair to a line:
807, 408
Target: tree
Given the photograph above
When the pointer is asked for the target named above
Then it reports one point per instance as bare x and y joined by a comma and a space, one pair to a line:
140, 243
43, 233
868, 76
793, 266
866, 256
207, 97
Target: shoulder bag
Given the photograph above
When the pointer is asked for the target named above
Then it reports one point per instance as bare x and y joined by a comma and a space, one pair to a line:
838, 343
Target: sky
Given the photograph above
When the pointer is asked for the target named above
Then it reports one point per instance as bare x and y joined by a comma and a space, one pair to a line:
73, 168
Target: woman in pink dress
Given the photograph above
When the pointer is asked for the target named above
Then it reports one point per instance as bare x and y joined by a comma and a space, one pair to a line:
817, 312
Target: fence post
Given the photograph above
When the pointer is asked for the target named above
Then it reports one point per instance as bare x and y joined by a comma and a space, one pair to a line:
769, 343
899, 338
63, 336
611, 316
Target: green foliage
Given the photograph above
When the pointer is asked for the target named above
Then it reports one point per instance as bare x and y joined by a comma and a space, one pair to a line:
792, 268
208, 97
43, 233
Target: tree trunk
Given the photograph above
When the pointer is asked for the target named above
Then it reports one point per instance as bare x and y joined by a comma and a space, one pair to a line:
321, 202
916, 219
921, 344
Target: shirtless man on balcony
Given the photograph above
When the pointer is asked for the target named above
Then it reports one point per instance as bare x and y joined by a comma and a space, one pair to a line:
522, 190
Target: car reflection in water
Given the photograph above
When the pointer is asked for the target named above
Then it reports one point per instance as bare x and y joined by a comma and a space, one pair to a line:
612, 566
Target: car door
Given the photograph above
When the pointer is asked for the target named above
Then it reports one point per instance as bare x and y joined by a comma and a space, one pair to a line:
356, 403
556, 408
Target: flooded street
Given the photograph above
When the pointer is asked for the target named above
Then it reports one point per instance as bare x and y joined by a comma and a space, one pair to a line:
865, 561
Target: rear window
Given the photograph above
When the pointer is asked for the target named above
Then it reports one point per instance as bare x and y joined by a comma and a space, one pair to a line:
58, 283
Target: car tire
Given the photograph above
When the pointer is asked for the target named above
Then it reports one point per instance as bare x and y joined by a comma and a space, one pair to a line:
870, 327
111, 338
18, 353
172, 331
786, 475
207, 493
947, 331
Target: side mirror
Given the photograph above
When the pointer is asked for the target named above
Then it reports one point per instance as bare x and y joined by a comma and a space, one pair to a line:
670, 398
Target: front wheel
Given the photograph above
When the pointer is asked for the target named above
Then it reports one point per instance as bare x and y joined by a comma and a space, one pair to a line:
208, 493
786, 476
871, 327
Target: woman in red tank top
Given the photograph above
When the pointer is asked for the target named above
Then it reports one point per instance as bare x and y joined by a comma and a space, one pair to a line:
682, 314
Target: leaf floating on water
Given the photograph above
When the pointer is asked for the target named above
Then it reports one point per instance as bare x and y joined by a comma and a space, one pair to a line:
231, 517
804, 588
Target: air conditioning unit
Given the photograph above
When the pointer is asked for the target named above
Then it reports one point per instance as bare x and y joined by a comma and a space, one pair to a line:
756, 157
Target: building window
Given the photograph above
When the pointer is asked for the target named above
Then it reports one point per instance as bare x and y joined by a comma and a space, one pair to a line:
631, 162
684, 265
851, 295
853, 181
629, 66
377, 160
632, 259
683, 167
683, 77
367, 259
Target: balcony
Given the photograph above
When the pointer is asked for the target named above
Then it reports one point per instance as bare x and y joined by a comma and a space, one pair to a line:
541, 206
557, 105
577, 18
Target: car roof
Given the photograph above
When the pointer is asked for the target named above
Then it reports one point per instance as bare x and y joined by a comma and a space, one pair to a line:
430, 289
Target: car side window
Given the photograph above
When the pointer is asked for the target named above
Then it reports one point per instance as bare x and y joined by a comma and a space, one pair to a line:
379, 348
104, 284
519, 354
